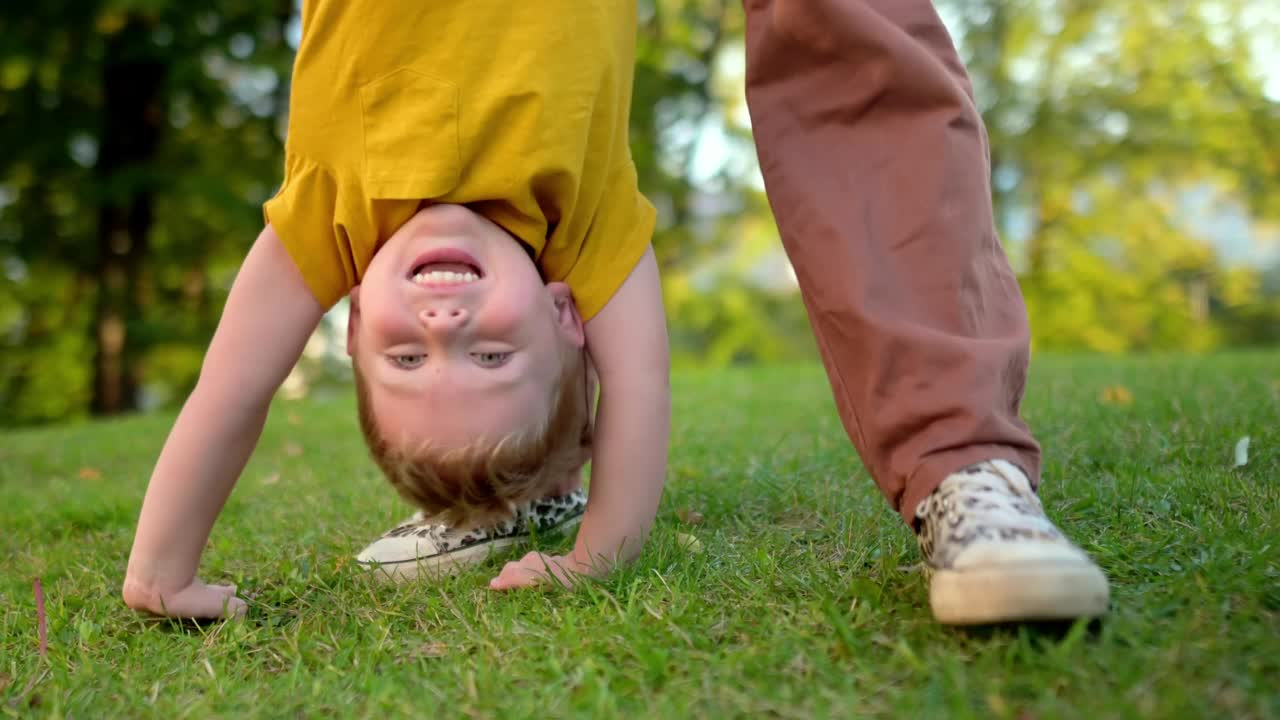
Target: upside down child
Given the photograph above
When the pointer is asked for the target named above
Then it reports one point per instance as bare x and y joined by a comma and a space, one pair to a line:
460, 171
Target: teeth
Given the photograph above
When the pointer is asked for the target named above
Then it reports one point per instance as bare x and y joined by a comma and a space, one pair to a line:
445, 277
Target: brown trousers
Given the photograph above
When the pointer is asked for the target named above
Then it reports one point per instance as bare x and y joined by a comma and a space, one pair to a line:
876, 166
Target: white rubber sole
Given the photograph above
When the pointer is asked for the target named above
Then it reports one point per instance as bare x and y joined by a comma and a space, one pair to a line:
451, 563
1019, 593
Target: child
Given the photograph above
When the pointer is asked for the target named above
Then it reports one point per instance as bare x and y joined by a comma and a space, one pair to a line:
461, 171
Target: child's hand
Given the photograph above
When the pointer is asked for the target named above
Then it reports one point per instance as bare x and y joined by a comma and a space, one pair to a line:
536, 568
196, 601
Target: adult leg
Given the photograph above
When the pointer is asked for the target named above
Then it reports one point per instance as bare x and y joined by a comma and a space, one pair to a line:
876, 165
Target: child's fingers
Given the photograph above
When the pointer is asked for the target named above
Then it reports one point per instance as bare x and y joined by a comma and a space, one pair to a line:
513, 577
206, 601
532, 570
527, 571
503, 582
221, 602
236, 608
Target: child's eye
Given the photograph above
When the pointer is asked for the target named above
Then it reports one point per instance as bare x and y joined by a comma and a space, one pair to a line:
408, 362
491, 359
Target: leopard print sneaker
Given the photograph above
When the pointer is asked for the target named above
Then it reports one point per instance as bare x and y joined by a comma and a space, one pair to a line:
420, 547
994, 556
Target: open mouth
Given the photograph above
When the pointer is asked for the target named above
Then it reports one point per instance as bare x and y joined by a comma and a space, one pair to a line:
445, 266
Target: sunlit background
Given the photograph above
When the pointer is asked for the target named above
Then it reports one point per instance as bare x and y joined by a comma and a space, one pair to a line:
1136, 158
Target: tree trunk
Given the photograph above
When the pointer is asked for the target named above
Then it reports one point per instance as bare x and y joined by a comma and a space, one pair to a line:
134, 112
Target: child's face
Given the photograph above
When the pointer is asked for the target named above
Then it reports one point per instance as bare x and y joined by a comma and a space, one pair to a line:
455, 334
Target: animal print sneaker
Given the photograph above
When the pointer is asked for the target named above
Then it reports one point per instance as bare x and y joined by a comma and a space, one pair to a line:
420, 547
995, 557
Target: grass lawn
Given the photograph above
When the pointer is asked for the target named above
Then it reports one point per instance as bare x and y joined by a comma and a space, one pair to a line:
805, 601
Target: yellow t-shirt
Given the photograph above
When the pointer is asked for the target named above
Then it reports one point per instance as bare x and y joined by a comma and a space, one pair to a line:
518, 110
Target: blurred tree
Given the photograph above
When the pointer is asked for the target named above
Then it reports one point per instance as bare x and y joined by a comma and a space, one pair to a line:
728, 290
146, 133
1104, 118
138, 139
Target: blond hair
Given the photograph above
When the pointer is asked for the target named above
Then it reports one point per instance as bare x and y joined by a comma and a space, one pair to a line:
483, 483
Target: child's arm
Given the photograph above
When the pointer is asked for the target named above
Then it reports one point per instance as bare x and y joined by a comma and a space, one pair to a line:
268, 317
628, 344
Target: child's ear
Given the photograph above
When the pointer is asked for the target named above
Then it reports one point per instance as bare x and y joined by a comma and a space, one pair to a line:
353, 319
567, 318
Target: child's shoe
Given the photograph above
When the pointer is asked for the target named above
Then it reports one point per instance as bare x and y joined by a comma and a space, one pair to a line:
995, 557
419, 546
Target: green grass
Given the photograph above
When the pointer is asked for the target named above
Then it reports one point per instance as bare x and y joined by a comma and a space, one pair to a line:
805, 601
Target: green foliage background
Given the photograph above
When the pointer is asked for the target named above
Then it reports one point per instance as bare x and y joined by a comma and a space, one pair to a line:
1136, 153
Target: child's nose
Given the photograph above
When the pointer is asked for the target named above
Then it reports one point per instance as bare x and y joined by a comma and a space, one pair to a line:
443, 318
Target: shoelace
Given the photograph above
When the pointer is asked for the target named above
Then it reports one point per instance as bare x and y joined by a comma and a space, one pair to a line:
980, 494
985, 502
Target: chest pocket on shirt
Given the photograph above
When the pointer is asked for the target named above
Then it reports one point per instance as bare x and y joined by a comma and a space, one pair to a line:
410, 136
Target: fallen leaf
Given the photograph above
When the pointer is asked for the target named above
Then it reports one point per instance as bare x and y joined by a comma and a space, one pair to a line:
689, 516
1230, 696
292, 449
799, 665
1116, 395
689, 542
1242, 451
435, 649
88, 473
271, 479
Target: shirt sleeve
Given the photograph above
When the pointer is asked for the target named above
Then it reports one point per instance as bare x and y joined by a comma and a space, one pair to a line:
302, 214
620, 233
